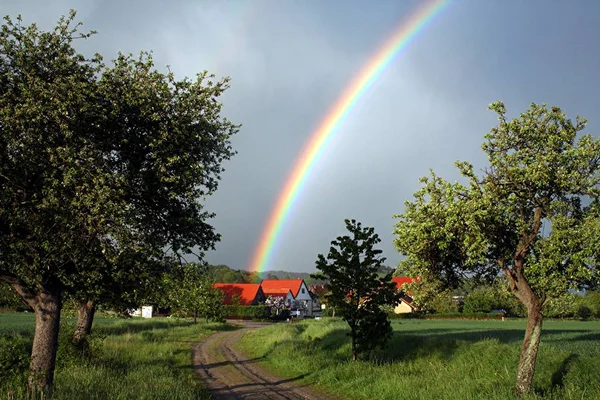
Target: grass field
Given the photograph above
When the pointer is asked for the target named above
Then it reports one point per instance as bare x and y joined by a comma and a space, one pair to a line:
130, 359
434, 359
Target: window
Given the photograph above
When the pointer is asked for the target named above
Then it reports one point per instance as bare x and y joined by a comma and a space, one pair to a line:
303, 291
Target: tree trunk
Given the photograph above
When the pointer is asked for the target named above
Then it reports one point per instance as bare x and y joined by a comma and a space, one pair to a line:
85, 318
45, 340
530, 347
353, 345
195, 315
46, 302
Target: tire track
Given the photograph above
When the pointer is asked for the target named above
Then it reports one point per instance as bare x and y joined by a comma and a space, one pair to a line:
230, 375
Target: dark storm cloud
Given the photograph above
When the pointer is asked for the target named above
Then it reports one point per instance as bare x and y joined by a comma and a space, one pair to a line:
289, 61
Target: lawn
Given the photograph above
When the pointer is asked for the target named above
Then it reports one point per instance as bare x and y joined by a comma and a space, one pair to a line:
130, 359
434, 359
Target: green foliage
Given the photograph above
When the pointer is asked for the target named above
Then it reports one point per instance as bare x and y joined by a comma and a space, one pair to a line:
9, 299
190, 291
564, 306
356, 290
486, 298
592, 300
583, 312
101, 166
538, 172
430, 296
247, 312
14, 355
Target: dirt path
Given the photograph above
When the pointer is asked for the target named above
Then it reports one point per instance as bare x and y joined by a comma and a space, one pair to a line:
231, 375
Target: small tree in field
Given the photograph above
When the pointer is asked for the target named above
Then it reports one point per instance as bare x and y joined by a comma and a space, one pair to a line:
355, 289
526, 217
191, 291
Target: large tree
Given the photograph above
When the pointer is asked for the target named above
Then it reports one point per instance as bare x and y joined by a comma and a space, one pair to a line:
96, 162
356, 290
532, 216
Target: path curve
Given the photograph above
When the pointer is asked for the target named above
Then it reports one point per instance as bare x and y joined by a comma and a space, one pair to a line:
229, 375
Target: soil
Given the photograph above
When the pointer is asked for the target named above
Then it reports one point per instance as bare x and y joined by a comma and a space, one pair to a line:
229, 374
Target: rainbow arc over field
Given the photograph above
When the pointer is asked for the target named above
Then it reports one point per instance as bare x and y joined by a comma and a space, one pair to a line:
332, 121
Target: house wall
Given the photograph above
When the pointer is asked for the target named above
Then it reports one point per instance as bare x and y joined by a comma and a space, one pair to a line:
289, 299
403, 308
304, 298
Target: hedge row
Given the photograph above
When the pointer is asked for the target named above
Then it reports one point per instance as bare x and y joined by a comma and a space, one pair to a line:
246, 312
475, 316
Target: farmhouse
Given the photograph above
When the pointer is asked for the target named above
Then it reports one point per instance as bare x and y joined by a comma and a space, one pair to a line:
285, 294
302, 301
406, 302
249, 294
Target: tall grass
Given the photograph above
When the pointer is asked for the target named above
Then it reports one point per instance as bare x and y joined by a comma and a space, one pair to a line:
127, 359
434, 359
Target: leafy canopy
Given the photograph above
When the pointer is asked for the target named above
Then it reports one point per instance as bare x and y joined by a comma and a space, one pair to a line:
101, 163
532, 214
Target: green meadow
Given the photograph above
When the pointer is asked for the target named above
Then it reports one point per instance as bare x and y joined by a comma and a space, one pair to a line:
428, 359
128, 358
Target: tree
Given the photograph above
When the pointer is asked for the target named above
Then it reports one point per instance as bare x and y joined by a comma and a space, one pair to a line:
9, 297
97, 162
524, 217
277, 304
356, 291
120, 285
190, 291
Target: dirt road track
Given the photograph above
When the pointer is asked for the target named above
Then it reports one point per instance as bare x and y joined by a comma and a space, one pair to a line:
230, 375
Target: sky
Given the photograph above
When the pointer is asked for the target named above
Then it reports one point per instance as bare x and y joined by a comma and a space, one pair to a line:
289, 61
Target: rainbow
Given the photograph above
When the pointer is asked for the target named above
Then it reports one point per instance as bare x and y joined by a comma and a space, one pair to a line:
330, 125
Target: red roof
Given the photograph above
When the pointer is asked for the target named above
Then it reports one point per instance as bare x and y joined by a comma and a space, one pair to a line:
276, 292
401, 280
247, 292
293, 285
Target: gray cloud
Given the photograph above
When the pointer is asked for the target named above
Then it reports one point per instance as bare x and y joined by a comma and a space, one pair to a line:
289, 61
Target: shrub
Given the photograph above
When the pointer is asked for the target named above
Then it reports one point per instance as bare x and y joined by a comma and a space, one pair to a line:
465, 315
564, 306
583, 312
14, 355
247, 312
592, 300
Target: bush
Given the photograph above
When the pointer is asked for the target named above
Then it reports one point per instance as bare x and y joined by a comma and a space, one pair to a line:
247, 312
564, 306
14, 355
327, 312
282, 316
583, 312
464, 315
488, 298
592, 300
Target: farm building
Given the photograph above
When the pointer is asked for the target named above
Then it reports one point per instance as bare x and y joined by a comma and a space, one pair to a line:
406, 303
294, 292
302, 302
249, 294
284, 293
